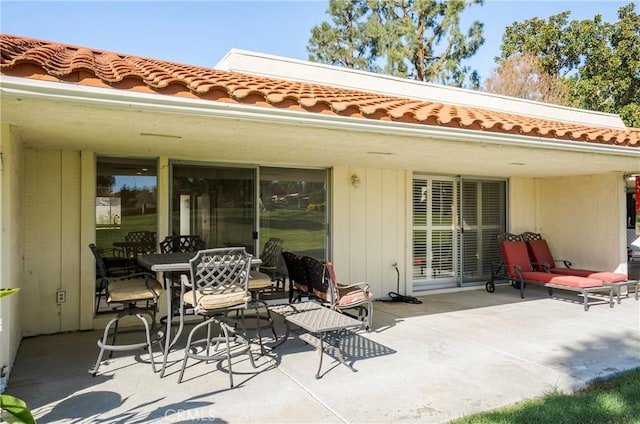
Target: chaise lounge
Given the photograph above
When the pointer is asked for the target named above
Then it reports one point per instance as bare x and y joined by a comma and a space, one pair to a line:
518, 268
543, 260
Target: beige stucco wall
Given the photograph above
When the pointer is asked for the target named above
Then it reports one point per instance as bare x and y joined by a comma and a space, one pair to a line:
369, 223
11, 247
522, 205
581, 217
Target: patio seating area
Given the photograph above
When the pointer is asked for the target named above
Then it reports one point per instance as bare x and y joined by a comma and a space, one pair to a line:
453, 355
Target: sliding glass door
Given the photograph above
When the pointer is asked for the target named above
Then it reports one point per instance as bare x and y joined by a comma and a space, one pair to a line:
217, 203
226, 206
293, 207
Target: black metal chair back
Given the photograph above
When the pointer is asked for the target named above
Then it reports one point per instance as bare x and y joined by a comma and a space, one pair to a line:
319, 280
297, 273
141, 237
183, 243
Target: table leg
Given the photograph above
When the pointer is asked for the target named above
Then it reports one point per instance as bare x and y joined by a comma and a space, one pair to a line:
169, 341
321, 353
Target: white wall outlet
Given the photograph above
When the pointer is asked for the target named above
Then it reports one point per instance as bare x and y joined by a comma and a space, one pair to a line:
61, 296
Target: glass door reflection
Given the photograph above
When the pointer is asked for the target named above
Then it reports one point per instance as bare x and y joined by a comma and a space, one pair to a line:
216, 203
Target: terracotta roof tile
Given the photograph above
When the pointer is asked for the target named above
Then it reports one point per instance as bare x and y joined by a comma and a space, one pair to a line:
39, 59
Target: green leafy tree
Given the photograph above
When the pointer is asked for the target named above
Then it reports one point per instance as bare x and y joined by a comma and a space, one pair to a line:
600, 60
419, 39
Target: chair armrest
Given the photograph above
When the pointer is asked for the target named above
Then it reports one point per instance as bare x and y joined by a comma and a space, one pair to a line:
364, 286
185, 281
115, 252
565, 262
545, 266
123, 270
517, 269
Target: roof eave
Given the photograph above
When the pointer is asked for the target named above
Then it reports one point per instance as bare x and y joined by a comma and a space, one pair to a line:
18, 87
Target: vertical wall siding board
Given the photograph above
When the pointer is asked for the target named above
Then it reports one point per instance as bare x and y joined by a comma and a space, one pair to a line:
358, 236
49, 190
403, 181
340, 205
42, 241
372, 264
69, 241
28, 294
392, 208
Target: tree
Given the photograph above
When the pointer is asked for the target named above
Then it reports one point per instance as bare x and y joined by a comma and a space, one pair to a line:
523, 76
419, 39
600, 60
342, 41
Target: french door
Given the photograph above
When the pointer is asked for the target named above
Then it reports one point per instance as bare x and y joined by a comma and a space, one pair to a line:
455, 223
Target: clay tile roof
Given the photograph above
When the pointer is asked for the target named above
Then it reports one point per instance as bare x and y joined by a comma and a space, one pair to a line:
39, 59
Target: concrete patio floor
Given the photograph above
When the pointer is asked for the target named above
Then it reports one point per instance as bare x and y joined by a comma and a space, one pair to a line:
453, 355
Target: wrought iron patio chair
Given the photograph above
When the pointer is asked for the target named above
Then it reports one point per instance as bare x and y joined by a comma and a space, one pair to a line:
147, 237
108, 267
217, 285
127, 292
182, 243
338, 296
297, 275
272, 265
138, 243
498, 270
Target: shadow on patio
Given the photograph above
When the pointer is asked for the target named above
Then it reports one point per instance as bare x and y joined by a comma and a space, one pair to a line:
454, 354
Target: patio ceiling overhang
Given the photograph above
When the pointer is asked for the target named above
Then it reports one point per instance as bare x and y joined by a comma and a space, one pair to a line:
119, 122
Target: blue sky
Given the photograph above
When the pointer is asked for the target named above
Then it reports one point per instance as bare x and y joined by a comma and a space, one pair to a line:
201, 32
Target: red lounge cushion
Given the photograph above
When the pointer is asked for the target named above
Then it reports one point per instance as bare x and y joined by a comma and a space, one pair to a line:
573, 281
607, 277
541, 277
515, 253
564, 280
351, 296
540, 252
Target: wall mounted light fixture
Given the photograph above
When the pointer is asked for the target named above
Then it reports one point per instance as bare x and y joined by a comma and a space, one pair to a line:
355, 180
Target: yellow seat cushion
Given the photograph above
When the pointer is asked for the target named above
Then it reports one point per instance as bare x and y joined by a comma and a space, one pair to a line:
259, 281
216, 300
133, 289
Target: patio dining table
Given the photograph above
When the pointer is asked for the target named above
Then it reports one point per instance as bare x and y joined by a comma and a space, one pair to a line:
168, 263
